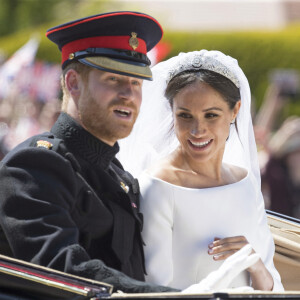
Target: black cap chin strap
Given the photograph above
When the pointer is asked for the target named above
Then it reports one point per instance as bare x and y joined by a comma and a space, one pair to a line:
126, 55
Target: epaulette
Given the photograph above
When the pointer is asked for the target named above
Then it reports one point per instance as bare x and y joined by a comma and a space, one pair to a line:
46, 141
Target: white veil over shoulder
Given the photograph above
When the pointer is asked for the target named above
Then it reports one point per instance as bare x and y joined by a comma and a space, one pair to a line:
152, 138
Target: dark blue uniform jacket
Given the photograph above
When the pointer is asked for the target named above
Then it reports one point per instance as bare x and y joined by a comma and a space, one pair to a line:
66, 203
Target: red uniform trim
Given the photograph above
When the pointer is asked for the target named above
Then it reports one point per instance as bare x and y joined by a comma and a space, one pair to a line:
111, 42
101, 17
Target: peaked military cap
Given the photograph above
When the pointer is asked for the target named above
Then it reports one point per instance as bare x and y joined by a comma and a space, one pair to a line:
116, 42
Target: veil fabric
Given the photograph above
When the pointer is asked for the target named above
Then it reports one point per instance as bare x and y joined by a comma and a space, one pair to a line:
152, 137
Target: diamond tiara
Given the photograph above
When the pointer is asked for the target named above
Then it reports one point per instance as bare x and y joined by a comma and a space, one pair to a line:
198, 61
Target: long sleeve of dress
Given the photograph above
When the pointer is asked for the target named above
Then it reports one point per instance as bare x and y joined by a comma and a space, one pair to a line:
157, 207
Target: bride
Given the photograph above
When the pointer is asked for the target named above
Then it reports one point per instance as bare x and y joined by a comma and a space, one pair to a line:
201, 195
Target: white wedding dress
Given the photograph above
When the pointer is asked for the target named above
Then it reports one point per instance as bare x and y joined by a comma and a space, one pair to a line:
180, 223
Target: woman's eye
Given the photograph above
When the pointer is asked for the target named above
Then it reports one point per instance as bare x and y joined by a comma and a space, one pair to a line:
211, 115
184, 115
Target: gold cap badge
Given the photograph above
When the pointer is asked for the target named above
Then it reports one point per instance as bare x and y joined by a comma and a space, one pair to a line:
44, 144
133, 41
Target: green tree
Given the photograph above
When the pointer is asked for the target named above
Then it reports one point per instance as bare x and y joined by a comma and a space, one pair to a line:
18, 15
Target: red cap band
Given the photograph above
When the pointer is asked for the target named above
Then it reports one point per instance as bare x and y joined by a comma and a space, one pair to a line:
111, 42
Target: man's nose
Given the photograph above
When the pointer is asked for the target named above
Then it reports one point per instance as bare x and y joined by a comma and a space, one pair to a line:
126, 91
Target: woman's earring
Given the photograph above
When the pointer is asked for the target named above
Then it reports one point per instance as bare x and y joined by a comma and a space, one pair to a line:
232, 122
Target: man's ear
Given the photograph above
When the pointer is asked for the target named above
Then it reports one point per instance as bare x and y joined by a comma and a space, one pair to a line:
73, 83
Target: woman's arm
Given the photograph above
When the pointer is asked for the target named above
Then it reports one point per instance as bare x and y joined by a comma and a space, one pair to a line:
264, 246
220, 249
157, 208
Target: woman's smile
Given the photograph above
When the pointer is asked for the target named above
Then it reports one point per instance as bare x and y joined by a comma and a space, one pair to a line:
199, 146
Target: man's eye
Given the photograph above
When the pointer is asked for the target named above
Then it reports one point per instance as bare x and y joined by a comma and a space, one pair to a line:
137, 82
113, 78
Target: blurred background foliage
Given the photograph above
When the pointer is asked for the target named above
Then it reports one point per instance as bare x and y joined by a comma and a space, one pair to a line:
257, 52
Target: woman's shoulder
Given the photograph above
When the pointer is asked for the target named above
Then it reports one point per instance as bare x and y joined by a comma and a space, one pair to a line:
155, 188
167, 172
236, 173
164, 171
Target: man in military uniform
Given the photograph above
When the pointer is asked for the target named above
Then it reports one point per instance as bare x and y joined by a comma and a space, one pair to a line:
66, 202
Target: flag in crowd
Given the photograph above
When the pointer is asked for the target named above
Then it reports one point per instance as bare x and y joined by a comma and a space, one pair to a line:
39, 81
23, 75
159, 52
20, 59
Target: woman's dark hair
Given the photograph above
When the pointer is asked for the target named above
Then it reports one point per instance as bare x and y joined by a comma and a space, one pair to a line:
225, 87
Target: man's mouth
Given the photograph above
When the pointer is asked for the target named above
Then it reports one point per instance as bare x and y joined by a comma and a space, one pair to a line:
124, 113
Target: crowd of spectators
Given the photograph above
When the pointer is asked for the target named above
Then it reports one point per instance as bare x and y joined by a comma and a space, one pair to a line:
278, 143
22, 117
